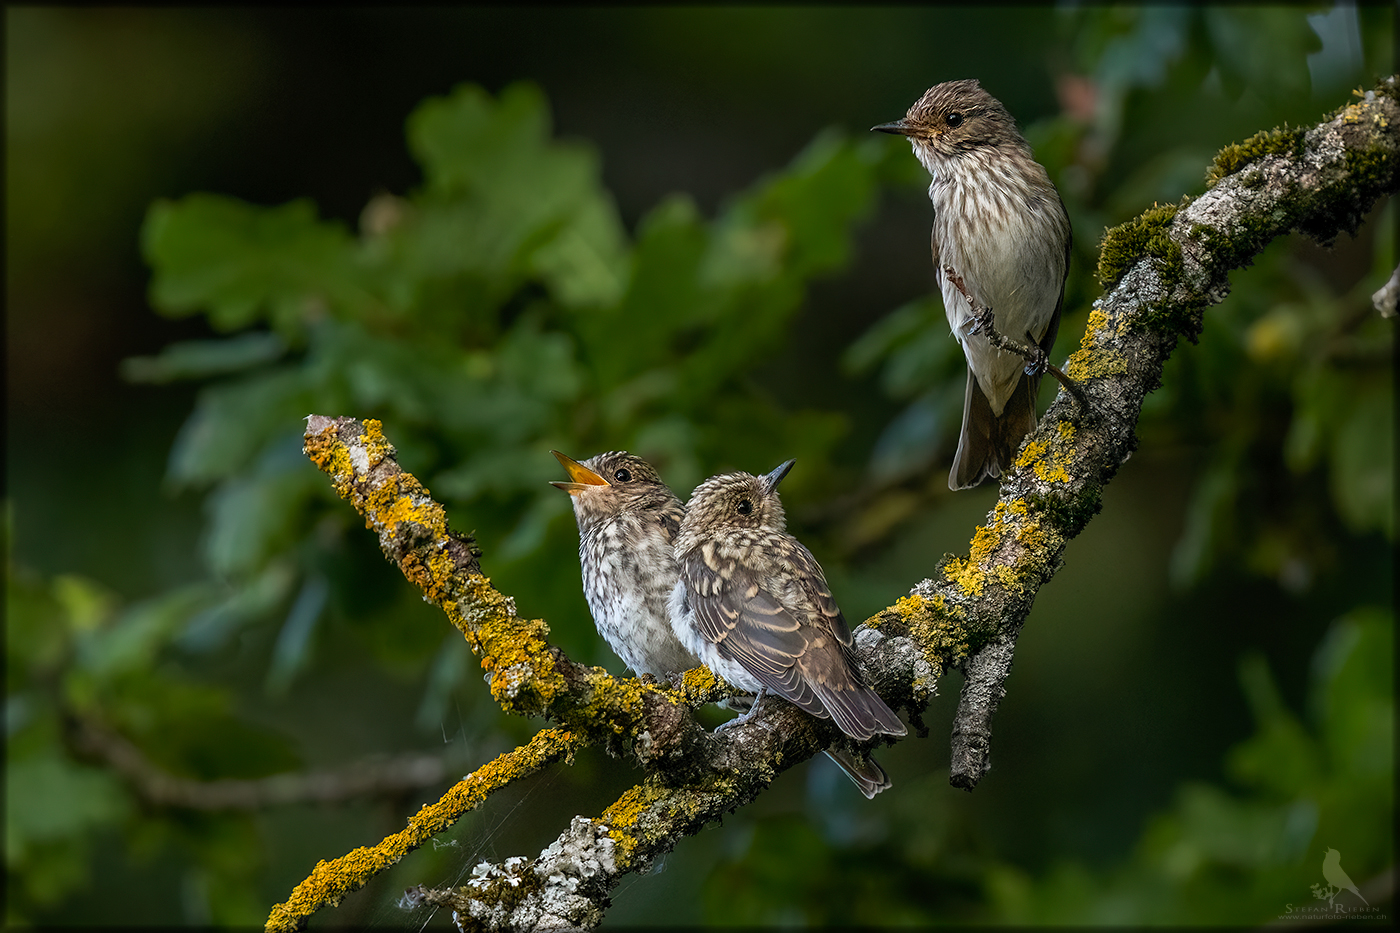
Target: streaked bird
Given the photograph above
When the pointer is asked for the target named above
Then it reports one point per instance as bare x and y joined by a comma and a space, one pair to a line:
754, 605
628, 521
999, 223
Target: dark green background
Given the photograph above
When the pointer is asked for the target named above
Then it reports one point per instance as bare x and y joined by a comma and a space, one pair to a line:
1213, 546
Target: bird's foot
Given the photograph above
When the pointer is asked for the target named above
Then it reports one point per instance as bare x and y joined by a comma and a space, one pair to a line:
981, 318
1037, 360
745, 717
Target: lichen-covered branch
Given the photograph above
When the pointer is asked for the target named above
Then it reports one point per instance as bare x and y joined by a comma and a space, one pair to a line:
1163, 270
331, 881
528, 676
697, 776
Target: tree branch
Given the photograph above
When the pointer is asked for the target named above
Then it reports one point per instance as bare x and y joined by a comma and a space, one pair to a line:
1164, 269
155, 785
983, 320
331, 881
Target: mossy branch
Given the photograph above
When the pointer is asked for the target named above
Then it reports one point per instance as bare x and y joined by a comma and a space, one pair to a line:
1164, 270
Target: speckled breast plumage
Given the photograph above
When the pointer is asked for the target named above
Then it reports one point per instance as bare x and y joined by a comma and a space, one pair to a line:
628, 574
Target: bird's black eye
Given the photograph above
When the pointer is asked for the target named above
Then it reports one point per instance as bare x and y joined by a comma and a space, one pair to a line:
622, 476
744, 507
955, 118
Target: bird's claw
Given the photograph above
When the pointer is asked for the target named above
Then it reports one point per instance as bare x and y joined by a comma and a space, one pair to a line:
978, 320
1037, 361
737, 720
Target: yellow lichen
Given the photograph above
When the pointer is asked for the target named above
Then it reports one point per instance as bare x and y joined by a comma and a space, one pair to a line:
375, 443
440, 569
1095, 364
1098, 321
330, 881
403, 500
1092, 360
699, 680
1034, 450
332, 457
966, 576
942, 634
610, 696
622, 817
970, 574
1050, 458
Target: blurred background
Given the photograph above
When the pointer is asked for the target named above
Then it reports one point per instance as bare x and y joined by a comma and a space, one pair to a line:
503, 231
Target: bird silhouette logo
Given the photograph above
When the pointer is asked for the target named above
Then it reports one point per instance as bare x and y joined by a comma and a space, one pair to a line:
1337, 880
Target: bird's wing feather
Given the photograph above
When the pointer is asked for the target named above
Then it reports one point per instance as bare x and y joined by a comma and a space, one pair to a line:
815, 594
786, 630
748, 625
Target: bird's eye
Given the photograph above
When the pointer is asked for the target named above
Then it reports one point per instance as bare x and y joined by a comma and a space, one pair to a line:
744, 507
622, 476
955, 118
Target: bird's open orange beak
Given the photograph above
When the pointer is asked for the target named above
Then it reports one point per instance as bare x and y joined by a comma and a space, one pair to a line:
581, 475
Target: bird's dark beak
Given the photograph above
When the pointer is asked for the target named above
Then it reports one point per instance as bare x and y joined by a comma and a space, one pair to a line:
771, 481
581, 475
898, 127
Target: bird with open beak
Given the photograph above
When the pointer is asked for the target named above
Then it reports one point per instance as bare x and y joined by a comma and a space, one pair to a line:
627, 522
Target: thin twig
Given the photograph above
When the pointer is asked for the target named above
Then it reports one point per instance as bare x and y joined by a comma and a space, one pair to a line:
1037, 360
372, 777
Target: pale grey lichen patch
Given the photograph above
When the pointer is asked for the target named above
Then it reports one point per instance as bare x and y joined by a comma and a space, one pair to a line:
867, 638
574, 865
359, 458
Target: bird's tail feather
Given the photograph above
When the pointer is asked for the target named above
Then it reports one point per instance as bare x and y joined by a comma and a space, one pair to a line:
988, 442
859, 712
866, 773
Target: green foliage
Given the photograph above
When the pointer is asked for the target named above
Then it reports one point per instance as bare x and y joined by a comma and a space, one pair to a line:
1238, 855
502, 308
1304, 787
498, 311
1312, 410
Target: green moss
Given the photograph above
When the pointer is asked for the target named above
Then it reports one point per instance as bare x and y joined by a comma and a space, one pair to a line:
1069, 513
1144, 235
1370, 171
1236, 156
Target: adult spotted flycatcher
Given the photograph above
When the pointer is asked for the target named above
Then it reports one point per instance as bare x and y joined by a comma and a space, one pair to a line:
1000, 225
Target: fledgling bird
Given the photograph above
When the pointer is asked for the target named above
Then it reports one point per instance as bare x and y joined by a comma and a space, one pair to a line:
754, 605
627, 527
999, 223
627, 522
